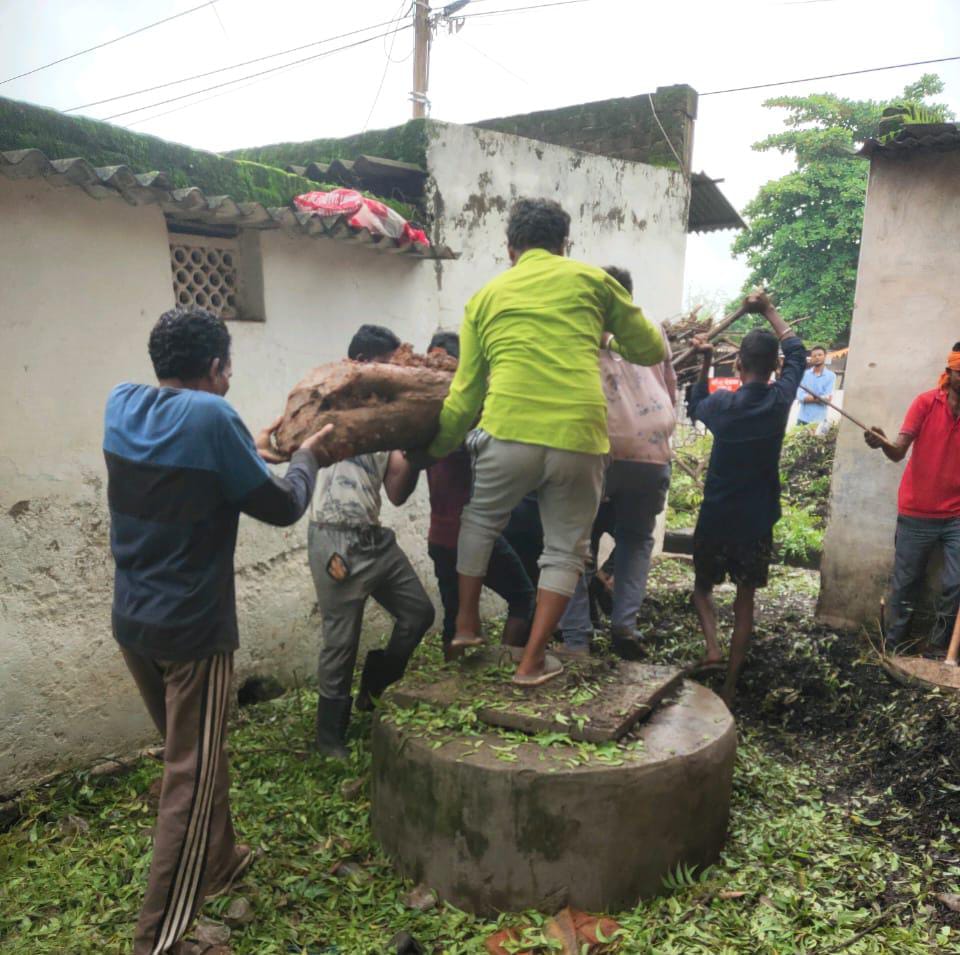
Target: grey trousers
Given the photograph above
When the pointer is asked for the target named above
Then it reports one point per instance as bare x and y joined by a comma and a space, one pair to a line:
915, 541
377, 568
638, 492
568, 487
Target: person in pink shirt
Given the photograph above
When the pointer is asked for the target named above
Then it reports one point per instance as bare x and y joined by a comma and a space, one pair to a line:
641, 417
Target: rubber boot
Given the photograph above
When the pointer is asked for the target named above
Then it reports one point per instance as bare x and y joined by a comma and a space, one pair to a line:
380, 669
626, 645
333, 717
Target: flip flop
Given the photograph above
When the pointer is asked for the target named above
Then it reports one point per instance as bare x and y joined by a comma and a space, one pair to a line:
463, 640
552, 667
708, 666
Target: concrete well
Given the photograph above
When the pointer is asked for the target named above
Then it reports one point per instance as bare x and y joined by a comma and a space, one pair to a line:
491, 835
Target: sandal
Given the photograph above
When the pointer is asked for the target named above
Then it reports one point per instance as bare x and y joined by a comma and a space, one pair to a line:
707, 666
464, 640
552, 667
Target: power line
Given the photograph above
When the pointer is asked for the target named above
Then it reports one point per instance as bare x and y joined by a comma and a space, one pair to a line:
487, 56
198, 102
831, 76
249, 76
270, 56
386, 65
393, 39
100, 46
653, 110
232, 66
536, 6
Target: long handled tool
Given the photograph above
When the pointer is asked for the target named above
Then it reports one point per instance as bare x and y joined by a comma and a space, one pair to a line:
850, 417
953, 652
693, 370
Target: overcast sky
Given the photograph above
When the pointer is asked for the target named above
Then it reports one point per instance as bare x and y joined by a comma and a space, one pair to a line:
496, 65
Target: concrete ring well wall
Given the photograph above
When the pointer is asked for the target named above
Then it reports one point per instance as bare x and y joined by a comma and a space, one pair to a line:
493, 836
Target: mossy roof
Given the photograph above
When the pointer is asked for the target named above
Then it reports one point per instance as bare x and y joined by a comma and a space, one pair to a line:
58, 136
25, 126
406, 144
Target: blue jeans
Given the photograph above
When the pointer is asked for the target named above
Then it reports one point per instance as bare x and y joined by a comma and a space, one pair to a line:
915, 540
505, 577
637, 492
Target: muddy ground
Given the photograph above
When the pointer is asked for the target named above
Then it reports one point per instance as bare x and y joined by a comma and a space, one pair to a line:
888, 754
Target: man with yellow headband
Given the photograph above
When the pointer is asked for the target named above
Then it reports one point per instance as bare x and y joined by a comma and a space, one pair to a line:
928, 504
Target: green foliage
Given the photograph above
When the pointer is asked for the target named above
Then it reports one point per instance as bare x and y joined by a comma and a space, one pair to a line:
897, 118
806, 463
803, 238
798, 534
684, 877
686, 496
798, 874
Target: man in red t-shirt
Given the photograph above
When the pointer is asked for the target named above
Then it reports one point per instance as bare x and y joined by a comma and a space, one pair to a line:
928, 505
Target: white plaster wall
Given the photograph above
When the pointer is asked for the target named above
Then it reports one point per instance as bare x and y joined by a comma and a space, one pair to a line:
623, 213
81, 283
905, 320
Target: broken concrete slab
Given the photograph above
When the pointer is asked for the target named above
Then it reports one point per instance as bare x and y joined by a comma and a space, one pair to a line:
597, 699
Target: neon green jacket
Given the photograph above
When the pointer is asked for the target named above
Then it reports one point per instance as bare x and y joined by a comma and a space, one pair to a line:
529, 346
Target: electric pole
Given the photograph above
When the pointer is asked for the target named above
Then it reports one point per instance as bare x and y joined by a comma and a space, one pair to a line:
423, 26
421, 57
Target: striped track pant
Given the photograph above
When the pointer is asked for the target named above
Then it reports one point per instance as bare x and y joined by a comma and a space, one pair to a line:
194, 846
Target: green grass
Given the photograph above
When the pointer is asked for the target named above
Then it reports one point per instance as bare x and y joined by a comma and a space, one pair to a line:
803, 871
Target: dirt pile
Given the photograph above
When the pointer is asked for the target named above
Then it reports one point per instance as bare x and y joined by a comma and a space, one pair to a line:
887, 754
823, 697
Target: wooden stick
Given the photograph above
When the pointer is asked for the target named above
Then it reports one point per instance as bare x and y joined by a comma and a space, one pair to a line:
953, 653
694, 370
846, 414
721, 326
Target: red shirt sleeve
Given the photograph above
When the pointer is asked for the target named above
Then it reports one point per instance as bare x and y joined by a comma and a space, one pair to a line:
917, 413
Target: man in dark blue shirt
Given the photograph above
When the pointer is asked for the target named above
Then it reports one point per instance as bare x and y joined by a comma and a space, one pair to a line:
741, 498
181, 467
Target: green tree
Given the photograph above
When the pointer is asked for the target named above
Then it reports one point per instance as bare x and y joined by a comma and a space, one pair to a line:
803, 237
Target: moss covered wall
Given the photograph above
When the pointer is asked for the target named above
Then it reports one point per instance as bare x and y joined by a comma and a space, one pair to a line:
622, 128
25, 126
406, 143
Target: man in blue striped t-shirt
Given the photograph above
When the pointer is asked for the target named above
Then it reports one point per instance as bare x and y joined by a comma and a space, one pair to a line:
181, 467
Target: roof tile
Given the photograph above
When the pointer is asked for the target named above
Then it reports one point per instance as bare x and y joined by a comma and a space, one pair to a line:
191, 203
